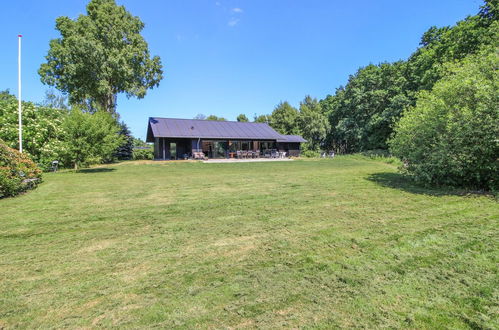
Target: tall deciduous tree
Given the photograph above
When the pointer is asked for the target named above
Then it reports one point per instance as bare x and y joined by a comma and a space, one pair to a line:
262, 119
284, 119
363, 113
313, 123
446, 44
100, 55
242, 118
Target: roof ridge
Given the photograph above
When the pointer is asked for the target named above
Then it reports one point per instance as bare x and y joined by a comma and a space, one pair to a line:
205, 120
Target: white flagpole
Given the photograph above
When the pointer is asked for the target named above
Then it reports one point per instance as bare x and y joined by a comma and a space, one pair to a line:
19, 95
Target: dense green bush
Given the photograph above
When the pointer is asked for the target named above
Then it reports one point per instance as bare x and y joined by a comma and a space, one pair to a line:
142, 150
143, 154
89, 138
310, 153
17, 172
451, 136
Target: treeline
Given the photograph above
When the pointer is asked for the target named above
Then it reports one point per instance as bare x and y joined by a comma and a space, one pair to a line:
362, 114
438, 111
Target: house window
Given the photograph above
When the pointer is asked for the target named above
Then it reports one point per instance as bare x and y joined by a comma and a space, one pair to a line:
215, 149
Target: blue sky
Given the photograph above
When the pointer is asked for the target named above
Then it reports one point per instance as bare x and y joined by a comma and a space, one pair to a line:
230, 57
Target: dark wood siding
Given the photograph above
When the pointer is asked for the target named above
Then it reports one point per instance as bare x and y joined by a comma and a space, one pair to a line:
162, 148
291, 148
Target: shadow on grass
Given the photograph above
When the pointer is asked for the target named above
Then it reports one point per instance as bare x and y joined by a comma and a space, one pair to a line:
403, 182
96, 170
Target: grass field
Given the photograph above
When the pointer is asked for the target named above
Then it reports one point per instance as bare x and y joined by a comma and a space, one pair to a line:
346, 242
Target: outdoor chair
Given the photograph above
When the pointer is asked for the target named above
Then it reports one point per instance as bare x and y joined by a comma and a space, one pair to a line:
257, 154
199, 155
245, 154
239, 154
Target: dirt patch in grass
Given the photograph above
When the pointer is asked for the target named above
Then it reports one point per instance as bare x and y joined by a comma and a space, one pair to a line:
93, 247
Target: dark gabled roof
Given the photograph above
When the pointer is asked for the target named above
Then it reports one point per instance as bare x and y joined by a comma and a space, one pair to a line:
291, 139
209, 129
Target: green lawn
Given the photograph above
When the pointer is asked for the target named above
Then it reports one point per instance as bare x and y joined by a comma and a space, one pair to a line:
310, 243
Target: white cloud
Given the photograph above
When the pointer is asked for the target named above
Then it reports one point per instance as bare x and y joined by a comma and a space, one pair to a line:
233, 21
237, 10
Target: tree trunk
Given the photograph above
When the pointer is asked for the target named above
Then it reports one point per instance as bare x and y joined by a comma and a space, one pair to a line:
110, 103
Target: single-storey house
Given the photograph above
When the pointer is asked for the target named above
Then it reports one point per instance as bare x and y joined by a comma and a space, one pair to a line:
180, 138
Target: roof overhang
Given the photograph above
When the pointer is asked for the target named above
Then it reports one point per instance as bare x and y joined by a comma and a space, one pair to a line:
291, 139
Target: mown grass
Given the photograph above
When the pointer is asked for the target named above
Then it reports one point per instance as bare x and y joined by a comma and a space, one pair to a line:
345, 242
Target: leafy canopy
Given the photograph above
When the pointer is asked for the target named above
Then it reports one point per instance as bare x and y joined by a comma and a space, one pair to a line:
100, 55
213, 117
451, 136
262, 119
242, 118
312, 122
284, 118
446, 44
363, 112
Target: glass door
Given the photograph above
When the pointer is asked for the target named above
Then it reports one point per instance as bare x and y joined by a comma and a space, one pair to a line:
220, 149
